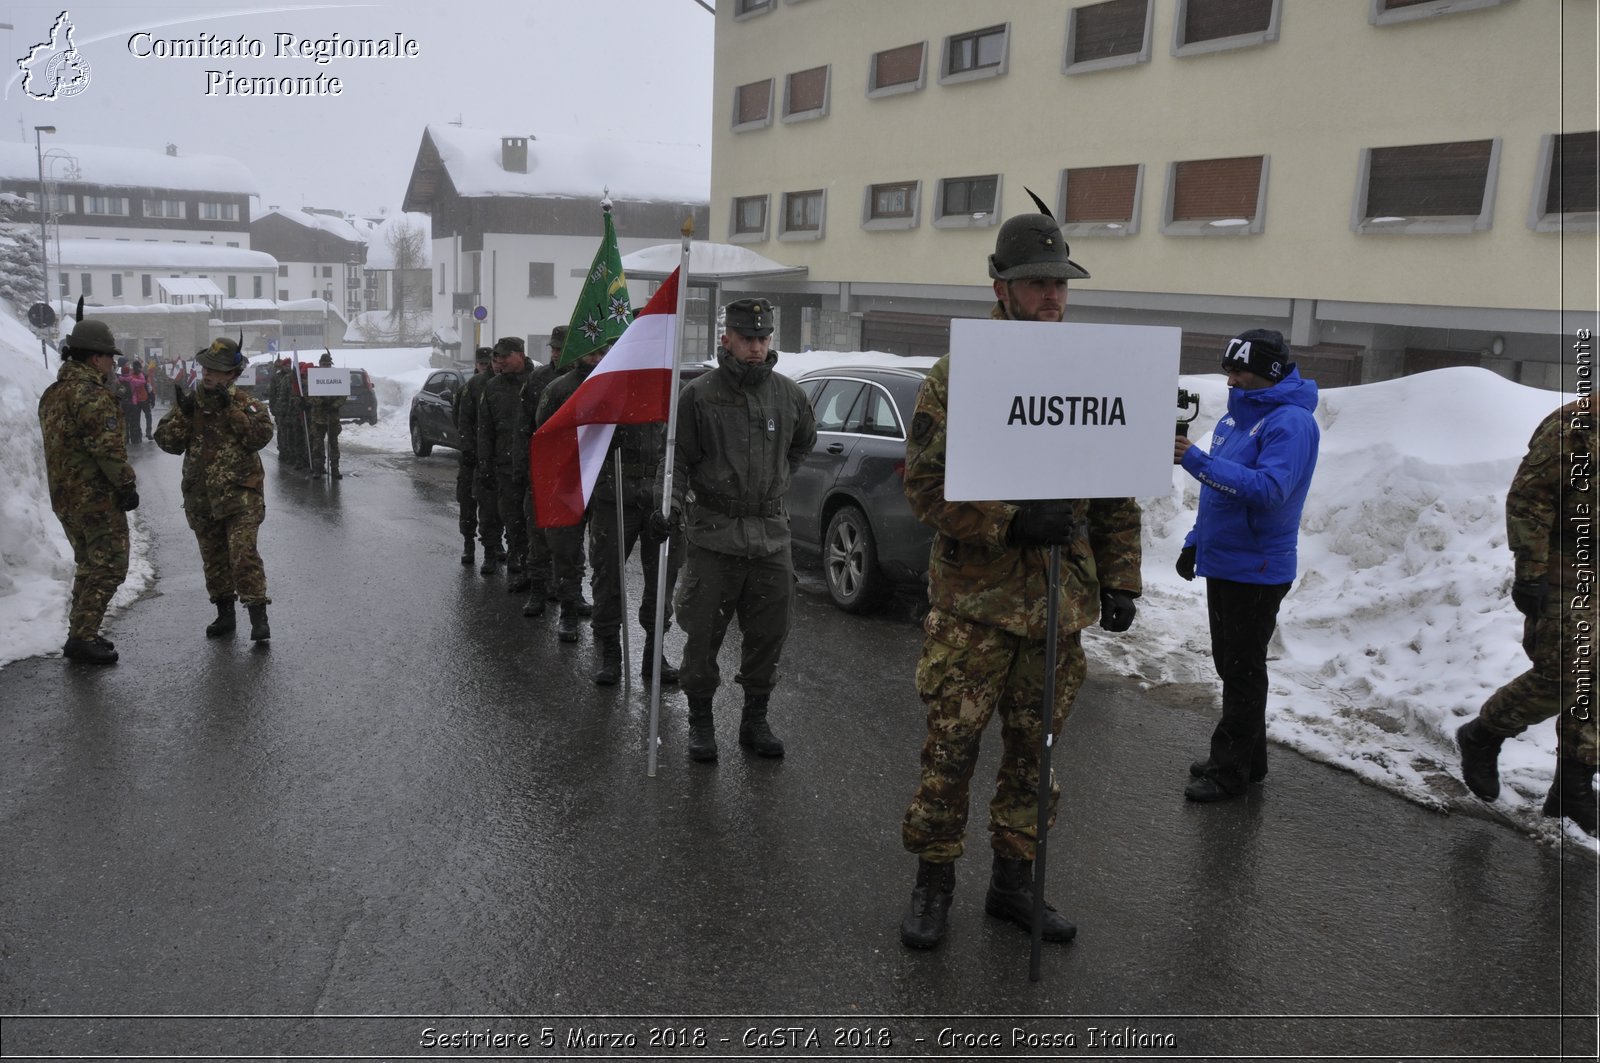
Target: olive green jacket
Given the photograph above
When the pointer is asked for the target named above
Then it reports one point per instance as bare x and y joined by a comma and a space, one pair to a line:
1551, 506
222, 474
85, 444
742, 432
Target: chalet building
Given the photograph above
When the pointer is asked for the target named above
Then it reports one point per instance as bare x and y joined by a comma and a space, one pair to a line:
516, 221
320, 256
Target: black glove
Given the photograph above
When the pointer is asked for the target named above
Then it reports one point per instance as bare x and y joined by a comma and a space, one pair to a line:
127, 497
1048, 523
214, 399
661, 526
183, 400
1186, 562
1116, 610
1528, 595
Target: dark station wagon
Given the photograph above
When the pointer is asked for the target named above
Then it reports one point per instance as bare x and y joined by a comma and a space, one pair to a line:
847, 502
433, 420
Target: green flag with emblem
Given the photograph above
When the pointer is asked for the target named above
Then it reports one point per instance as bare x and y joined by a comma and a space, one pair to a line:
603, 310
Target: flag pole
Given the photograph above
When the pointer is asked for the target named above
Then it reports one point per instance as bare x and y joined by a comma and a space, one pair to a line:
666, 500
622, 568
1041, 827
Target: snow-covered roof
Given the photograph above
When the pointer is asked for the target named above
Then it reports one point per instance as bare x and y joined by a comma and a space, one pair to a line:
144, 254
376, 233
188, 286
336, 227
320, 306
707, 262
131, 167
251, 304
562, 167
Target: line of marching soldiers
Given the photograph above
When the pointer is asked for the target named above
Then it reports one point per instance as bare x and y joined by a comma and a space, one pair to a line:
308, 425
496, 414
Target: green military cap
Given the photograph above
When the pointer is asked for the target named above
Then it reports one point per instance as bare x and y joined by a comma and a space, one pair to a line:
509, 345
558, 337
1031, 245
326, 359
749, 317
223, 355
92, 337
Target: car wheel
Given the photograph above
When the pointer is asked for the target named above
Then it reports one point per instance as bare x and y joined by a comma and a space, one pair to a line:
419, 445
850, 563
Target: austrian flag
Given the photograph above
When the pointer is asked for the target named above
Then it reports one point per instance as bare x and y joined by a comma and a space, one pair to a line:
631, 385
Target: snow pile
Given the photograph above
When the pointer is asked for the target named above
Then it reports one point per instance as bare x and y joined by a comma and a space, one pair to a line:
36, 563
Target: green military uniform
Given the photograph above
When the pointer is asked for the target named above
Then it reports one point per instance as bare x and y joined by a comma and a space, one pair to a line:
491, 530
466, 471
1550, 515
503, 462
742, 431
984, 640
322, 414
218, 437
283, 395
86, 463
542, 542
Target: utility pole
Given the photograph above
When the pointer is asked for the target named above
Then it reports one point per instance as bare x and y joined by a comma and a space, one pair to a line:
44, 236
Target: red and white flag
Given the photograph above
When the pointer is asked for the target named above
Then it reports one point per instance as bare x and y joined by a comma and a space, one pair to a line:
631, 385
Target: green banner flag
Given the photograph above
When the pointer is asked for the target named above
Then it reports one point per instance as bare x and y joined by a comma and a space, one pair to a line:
603, 310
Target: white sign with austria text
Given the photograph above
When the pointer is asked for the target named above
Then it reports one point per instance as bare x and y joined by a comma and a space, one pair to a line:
335, 380
1060, 410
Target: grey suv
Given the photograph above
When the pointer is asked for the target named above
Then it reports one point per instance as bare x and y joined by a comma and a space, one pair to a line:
847, 502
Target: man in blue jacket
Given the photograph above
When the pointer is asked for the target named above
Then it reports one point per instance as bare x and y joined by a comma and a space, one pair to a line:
1253, 485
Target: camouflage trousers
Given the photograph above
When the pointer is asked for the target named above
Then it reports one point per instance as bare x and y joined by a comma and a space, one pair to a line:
289, 431
325, 445
228, 554
714, 588
1558, 644
967, 671
467, 520
100, 548
608, 574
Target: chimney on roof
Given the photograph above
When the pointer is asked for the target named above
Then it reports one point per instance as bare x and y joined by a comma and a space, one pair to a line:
514, 154
172, 149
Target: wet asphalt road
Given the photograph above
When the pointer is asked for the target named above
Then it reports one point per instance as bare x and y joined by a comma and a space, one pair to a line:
413, 811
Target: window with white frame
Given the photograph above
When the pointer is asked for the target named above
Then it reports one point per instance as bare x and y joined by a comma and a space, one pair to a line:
55, 202
749, 223
975, 54
805, 94
1216, 197
897, 70
1203, 26
967, 201
1101, 200
1566, 194
541, 280
1107, 35
891, 205
1389, 12
114, 206
747, 8
803, 214
752, 106
1426, 188
116, 285
219, 212
165, 208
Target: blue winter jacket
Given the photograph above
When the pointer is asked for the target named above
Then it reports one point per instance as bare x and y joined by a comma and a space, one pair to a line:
1254, 483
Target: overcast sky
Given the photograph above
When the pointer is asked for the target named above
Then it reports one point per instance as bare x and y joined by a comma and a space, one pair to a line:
629, 69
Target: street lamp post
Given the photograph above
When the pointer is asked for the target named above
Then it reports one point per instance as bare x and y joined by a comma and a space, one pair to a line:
44, 237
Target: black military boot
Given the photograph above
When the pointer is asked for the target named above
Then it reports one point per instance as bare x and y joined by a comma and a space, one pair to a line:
929, 915
1011, 897
1480, 758
754, 734
259, 631
468, 551
225, 621
609, 670
585, 607
89, 651
534, 606
702, 730
333, 470
518, 582
491, 559
650, 658
1572, 794
567, 630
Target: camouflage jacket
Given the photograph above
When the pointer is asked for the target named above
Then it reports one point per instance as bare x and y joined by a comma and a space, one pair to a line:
222, 473
974, 574
281, 392
324, 408
742, 432
85, 444
466, 413
502, 438
1550, 509
641, 445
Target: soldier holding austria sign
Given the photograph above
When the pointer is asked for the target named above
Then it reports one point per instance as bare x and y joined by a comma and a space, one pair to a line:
1029, 442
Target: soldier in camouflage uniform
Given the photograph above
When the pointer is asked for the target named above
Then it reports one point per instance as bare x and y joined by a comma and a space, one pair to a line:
1550, 515
92, 487
503, 454
283, 396
984, 647
642, 447
491, 530
467, 472
218, 430
743, 429
322, 415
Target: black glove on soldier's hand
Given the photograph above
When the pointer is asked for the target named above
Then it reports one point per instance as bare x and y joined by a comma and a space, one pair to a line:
183, 400
1186, 562
1048, 523
662, 526
213, 400
1528, 596
127, 497
1116, 610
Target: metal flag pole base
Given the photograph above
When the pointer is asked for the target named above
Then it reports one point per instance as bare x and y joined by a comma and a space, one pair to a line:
1041, 828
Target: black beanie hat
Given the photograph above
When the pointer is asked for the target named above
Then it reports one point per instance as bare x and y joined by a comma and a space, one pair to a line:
1260, 351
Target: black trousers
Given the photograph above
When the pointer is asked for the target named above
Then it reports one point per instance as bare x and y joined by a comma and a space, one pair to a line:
1243, 617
